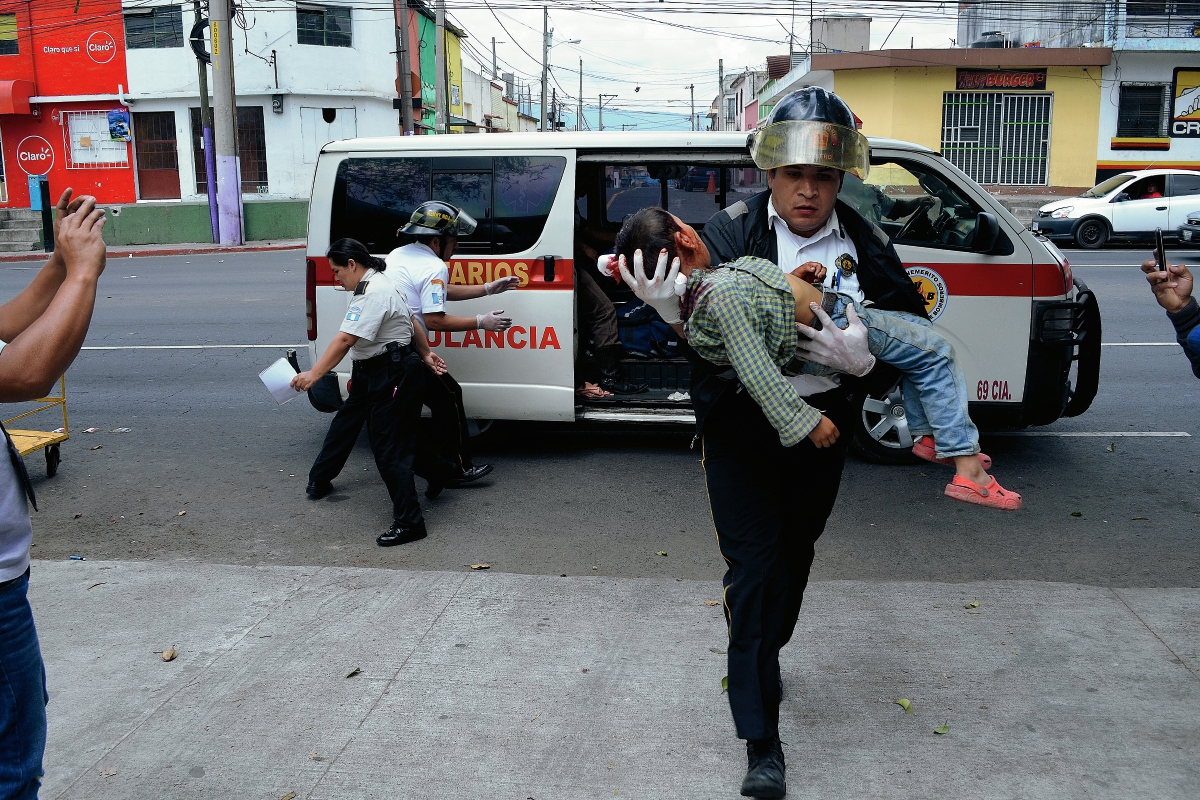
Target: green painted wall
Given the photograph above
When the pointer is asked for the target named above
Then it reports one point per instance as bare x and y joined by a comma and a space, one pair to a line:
187, 223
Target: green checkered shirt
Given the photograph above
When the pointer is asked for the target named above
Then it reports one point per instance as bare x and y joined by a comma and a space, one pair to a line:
743, 314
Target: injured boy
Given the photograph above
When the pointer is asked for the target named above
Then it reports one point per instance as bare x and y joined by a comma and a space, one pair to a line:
721, 305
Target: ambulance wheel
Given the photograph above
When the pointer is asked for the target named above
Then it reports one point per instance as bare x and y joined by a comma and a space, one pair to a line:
881, 428
52, 460
1091, 234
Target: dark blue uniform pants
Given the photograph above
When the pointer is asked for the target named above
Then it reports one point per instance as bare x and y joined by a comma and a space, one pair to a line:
386, 396
769, 504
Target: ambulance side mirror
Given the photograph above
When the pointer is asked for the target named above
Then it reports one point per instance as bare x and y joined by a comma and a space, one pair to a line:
987, 231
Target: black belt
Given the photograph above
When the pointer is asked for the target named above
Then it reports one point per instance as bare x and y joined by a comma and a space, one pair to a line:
394, 351
11, 581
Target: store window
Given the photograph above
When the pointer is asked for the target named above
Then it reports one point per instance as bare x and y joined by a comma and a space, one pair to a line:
157, 27
510, 197
327, 26
92, 141
9, 46
252, 150
1142, 109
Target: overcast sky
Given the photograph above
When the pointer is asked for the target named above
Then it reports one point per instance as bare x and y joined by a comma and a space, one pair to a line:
659, 53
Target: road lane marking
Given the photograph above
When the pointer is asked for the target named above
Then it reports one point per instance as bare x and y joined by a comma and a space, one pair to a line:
1139, 344
197, 347
1098, 434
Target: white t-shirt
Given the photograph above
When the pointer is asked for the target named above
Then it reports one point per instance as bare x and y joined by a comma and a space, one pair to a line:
377, 313
423, 277
16, 531
829, 246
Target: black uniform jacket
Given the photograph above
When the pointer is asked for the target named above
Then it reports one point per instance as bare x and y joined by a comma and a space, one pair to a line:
742, 230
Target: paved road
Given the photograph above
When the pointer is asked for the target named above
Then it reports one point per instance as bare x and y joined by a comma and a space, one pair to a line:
205, 439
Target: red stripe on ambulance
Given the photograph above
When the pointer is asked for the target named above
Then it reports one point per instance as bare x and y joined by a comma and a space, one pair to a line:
999, 280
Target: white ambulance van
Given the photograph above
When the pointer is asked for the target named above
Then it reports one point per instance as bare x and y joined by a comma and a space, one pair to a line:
1026, 334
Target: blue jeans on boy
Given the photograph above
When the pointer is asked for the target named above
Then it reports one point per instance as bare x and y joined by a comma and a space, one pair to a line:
935, 392
22, 695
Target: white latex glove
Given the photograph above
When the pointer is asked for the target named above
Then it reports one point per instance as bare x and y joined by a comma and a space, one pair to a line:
662, 292
843, 350
492, 321
501, 285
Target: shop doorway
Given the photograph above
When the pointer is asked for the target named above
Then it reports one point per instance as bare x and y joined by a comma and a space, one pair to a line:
998, 138
156, 155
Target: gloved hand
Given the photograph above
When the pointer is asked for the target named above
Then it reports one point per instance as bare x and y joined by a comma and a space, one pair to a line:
843, 350
662, 292
492, 321
501, 285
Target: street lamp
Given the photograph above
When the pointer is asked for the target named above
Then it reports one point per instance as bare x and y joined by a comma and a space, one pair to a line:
547, 35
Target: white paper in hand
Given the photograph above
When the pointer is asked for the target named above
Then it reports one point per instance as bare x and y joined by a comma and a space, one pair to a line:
278, 380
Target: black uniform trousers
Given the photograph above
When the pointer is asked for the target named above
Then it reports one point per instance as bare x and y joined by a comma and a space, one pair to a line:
769, 505
385, 394
449, 434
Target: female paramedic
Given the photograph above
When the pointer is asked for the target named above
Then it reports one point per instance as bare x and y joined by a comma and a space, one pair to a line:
386, 386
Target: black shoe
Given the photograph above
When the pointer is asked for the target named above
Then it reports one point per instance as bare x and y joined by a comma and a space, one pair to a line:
611, 380
470, 475
316, 491
765, 775
434, 489
401, 534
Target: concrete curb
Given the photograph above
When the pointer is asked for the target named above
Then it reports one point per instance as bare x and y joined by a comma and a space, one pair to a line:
164, 250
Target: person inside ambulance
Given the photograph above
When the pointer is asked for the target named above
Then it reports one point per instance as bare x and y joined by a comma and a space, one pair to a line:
421, 271
807, 145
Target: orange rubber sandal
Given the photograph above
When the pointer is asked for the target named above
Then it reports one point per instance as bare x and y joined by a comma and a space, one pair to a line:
993, 495
926, 449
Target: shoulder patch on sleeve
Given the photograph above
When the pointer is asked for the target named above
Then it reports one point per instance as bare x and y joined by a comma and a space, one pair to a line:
361, 288
737, 209
879, 234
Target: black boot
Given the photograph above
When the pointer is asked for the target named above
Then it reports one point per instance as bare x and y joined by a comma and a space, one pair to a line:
611, 380
765, 775
402, 534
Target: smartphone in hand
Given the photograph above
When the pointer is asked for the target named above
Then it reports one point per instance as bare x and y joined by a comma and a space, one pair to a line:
1160, 252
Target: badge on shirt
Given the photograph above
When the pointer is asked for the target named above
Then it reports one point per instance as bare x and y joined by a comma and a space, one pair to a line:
439, 291
846, 264
354, 314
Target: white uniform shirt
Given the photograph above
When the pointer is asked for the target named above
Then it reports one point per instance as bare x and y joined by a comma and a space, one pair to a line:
378, 315
423, 277
828, 246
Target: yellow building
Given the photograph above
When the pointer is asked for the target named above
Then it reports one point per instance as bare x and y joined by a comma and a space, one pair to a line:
1013, 117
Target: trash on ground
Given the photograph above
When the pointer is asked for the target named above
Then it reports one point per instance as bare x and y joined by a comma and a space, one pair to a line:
1135, 519
169, 654
1112, 447
679, 396
105, 772
121, 430
314, 757
716, 650
91, 430
481, 566
59, 430
353, 672
80, 514
661, 553
289, 795
725, 684
78, 558
972, 604
94, 585
181, 513
903, 703
97, 447
942, 729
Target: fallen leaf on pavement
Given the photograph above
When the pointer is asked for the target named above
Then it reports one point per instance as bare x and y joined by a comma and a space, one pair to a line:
712, 602
942, 729
289, 796
725, 684
169, 654
315, 757
353, 672
661, 553
535, 718
80, 514
94, 585
1076, 513
972, 604
1112, 447
481, 566
105, 772
716, 650
903, 703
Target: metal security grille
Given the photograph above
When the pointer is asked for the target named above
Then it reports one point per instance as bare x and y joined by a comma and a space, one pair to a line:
998, 138
89, 141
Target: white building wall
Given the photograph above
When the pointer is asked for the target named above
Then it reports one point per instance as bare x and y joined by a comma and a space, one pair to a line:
361, 77
1132, 66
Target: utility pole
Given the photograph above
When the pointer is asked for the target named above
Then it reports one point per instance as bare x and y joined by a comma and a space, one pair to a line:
579, 114
553, 109
721, 94
545, 61
229, 172
692, 89
403, 62
439, 59
206, 125
601, 121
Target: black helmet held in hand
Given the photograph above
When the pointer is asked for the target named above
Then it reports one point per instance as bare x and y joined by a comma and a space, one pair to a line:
813, 127
435, 218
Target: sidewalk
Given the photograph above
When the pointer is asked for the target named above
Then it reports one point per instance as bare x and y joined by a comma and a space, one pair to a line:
136, 250
492, 685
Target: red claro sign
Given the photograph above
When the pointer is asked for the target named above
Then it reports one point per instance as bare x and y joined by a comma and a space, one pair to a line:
101, 47
35, 155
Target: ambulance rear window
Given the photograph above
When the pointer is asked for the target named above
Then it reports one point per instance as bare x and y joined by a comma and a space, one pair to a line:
510, 197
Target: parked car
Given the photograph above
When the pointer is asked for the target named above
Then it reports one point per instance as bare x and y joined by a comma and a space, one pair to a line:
1189, 231
1128, 207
